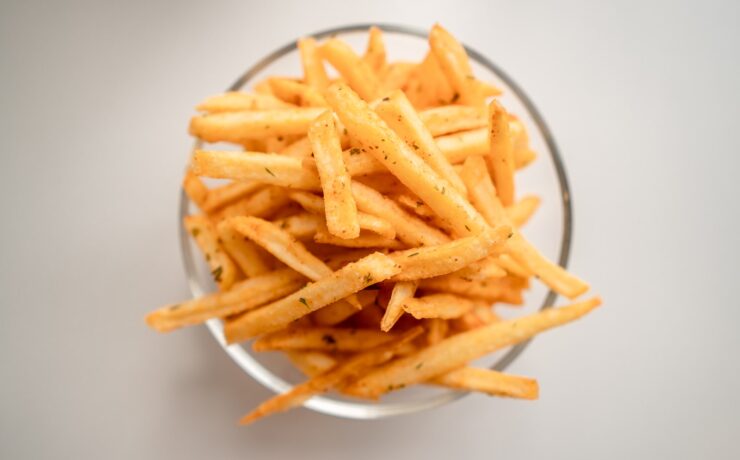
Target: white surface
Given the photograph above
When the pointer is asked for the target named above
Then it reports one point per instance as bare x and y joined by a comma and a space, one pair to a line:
94, 104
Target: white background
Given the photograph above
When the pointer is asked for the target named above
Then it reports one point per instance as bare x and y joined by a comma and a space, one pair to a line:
94, 102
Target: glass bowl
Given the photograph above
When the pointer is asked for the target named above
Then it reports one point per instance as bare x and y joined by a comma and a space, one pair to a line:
549, 229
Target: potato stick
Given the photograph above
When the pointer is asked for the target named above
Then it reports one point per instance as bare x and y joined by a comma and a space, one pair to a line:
520, 211
453, 61
500, 157
413, 203
301, 226
483, 269
247, 255
277, 143
443, 306
409, 229
195, 189
459, 146
448, 119
523, 155
269, 168
242, 126
396, 75
437, 329
507, 289
311, 363
337, 312
457, 350
388, 148
262, 87
488, 90
342, 258
513, 267
223, 269
482, 192
297, 93
365, 240
385, 183
357, 73
314, 73
243, 295
475, 318
361, 163
399, 114
308, 201
298, 149
323, 338
340, 284
340, 209
218, 197
490, 382
237, 101
375, 53
402, 291
431, 261
264, 203
523, 158
355, 366
369, 317
436, 88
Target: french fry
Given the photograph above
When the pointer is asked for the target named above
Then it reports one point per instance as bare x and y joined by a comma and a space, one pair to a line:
523, 155
513, 267
350, 279
369, 317
501, 157
313, 69
475, 318
375, 53
302, 226
238, 127
523, 158
297, 93
443, 306
448, 119
436, 330
396, 75
453, 61
311, 363
340, 209
337, 312
264, 203
458, 146
520, 211
364, 240
488, 381
402, 291
237, 101
218, 197
431, 261
297, 149
385, 183
223, 269
269, 168
262, 87
276, 143
243, 296
387, 147
483, 269
482, 192
195, 189
457, 350
323, 338
399, 114
505, 289
336, 376
250, 258
356, 72
487, 89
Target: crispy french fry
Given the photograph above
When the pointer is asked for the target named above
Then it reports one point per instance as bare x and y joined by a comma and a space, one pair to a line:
262, 87
268, 168
520, 211
356, 72
501, 156
323, 338
402, 291
313, 69
487, 89
431, 261
475, 318
385, 183
337, 312
355, 366
237, 101
265, 203
364, 240
223, 269
239, 127
453, 60
350, 279
504, 289
396, 75
523, 155
483, 269
340, 209
513, 267
458, 146
297, 93
311, 363
482, 192
297, 149
243, 295
250, 258
490, 382
399, 114
457, 350
387, 147
437, 329
375, 53
443, 306
302, 226
195, 189
448, 119
218, 197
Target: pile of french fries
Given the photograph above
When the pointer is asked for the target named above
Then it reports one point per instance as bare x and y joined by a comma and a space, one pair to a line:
370, 225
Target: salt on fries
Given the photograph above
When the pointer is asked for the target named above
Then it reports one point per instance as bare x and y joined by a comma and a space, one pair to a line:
369, 224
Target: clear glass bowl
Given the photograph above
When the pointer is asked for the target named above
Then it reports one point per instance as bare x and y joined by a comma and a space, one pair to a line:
549, 229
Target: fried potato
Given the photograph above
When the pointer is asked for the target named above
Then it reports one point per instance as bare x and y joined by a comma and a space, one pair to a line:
453, 60
248, 256
296, 93
357, 73
323, 338
437, 330
237, 101
238, 127
490, 382
301, 226
520, 211
402, 291
501, 156
223, 269
311, 363
337, 312
448, 119
505, 289
375, 53
443, 306
265, 203
314, 73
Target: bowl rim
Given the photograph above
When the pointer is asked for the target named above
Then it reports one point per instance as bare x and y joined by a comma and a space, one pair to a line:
359, 410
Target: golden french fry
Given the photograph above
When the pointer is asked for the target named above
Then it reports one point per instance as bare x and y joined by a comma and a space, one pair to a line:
490, 382
269, 168
276, 143
523, 158
443, 306
519, 212
313, 69
337, 312
513, 267
399, 114
237, 101
356, 72
311, 363
239, 127
453, 60
459, 146
264, 203
475, 318
437, 330
523, 155
250, 258
415, 205
262, 87
350, 279
195, 189
340, 209
482, 270
396, 75
501, 156
243, 295
375, 53
336, 376
339, 259
323, 338
223, 269
482, 192
302, 226
457, 350
387, 147
297, 93
218, 197
402, 291
487, 90
448, 119
297, 149
504, 289
364, 240
385, 183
